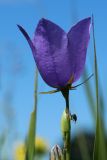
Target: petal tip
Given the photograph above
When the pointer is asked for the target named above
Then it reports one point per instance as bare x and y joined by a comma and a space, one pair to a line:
18, 26
42, 20
87, 20
26, 36
21, 28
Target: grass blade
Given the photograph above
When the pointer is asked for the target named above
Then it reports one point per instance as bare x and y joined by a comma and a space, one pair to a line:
89, 95
30, 144
99, 144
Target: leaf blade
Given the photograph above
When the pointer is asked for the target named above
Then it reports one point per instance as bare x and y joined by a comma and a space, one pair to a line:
99, 144
30, 144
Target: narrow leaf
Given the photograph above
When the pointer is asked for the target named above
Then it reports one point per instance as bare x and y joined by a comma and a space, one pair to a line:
30, 144
99, 144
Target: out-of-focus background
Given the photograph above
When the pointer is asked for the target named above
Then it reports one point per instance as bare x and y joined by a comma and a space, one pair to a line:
17, 72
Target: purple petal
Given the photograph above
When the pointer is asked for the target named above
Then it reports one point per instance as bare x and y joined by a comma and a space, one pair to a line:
27, 37
59, 56
51, 53
78, 38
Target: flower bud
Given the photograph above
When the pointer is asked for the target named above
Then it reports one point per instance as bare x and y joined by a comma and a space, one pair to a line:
65, 122
56, 153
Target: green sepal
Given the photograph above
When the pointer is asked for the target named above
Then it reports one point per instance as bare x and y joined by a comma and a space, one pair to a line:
49, 92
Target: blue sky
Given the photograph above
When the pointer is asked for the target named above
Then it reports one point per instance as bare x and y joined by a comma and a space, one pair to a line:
50, 107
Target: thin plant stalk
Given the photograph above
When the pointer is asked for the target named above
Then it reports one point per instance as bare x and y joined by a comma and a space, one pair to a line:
30, 144
67, 134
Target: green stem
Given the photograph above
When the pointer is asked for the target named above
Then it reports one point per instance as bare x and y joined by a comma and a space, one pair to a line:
35, 97
67, 135
30, 144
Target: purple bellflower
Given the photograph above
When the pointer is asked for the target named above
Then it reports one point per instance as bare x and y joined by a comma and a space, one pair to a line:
60, 56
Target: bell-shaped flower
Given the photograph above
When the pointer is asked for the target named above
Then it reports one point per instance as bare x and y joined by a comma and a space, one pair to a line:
60, 56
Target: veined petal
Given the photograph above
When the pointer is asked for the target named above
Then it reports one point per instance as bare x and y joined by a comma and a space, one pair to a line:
51, 54
60, 57
78, 38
